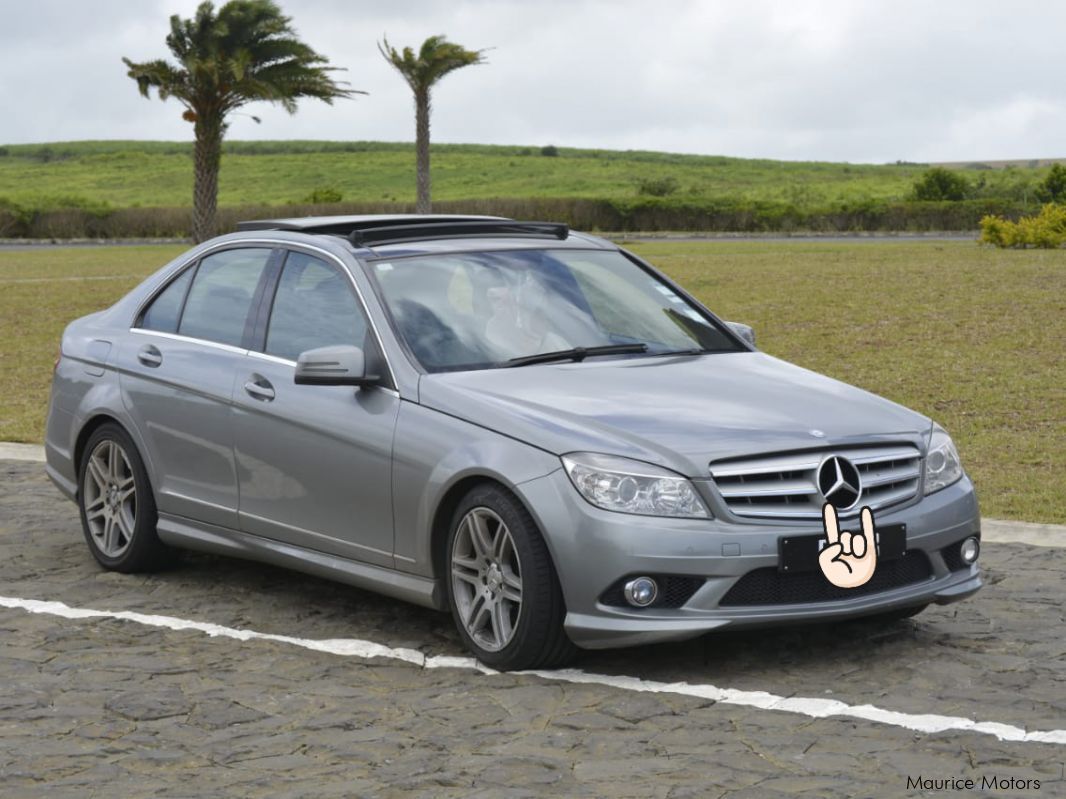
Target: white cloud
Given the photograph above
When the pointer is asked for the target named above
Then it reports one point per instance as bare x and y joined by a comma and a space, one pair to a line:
822, 79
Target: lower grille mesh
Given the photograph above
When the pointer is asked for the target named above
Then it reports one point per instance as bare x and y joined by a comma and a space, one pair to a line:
769, 586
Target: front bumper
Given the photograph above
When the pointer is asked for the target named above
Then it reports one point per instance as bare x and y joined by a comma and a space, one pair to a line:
593, 549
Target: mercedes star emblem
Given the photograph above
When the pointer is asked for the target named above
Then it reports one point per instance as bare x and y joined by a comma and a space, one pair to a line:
839, 482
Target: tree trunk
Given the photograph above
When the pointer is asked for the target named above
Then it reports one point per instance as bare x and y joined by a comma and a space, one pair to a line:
422, 206
207, 157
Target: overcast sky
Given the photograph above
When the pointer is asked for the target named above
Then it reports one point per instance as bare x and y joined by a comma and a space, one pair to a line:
937, 80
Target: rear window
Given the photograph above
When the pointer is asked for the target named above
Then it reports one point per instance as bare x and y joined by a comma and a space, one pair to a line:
221, 295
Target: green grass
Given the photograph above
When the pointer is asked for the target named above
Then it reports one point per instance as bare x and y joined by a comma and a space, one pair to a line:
150, 174
974, 337
40, 292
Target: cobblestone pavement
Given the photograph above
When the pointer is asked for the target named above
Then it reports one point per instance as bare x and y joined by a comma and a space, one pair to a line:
92, 707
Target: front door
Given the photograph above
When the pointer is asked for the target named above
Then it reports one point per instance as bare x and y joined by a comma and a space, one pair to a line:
313, 462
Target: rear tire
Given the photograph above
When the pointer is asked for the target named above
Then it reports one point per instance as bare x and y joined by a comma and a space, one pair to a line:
116, 504
503, 591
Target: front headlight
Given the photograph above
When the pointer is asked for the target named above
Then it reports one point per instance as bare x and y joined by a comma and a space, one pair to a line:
942, 464
629, 486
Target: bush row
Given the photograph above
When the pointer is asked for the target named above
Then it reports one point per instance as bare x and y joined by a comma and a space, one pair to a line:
1046, 230
640, 214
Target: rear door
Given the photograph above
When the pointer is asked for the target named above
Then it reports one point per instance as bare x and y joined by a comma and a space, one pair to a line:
178, 370
314, 462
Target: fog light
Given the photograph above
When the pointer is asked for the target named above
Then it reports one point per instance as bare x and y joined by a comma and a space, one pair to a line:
641, 591
969, 550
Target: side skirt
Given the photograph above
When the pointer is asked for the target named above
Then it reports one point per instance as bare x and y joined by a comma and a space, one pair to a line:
186, 534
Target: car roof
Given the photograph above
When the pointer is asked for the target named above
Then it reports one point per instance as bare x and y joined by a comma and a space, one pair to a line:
393, 234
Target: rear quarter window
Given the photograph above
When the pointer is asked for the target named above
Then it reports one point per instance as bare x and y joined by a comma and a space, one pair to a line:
165, 310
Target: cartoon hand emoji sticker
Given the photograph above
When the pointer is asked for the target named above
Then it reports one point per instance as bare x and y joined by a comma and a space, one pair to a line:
849, 559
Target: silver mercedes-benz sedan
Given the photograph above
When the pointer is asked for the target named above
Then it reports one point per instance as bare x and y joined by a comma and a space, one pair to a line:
529, 427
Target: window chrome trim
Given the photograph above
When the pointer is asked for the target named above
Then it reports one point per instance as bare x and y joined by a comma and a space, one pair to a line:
144, 331
274, 244
265, 356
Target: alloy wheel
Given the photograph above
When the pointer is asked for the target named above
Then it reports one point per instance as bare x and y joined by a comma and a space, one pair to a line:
109, 494
486, 579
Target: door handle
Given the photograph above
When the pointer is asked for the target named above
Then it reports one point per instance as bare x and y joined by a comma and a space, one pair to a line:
260, 388
150, 355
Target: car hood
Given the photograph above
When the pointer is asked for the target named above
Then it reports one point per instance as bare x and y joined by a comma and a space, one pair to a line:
680, 412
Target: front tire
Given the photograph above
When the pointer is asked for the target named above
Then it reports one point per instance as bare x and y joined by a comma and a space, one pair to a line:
117, 508
503, 591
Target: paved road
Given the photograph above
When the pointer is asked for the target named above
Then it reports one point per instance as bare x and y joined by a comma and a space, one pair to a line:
119, 708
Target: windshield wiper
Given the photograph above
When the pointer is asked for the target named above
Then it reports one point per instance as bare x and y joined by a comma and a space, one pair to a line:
691, 351
576, 354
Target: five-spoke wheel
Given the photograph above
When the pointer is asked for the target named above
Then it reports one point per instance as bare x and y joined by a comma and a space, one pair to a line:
110, 496
487, 579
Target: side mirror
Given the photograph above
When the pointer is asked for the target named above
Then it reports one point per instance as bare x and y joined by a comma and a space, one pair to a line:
340, 365
744, 331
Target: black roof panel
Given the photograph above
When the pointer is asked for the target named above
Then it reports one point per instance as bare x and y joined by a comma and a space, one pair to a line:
370, 230
343, 225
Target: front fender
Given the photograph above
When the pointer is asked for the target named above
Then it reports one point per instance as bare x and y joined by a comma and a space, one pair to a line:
435, 452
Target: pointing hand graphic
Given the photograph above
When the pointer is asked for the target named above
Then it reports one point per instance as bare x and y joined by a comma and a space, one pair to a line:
849, 559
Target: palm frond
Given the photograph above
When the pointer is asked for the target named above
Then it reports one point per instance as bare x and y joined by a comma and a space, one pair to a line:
245, 52
435, 59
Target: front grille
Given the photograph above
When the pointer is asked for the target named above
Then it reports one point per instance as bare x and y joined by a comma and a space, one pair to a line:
674, 591
769, 586
786, 486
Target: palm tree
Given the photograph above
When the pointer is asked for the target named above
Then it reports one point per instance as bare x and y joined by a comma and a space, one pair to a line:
246, 52
435, 59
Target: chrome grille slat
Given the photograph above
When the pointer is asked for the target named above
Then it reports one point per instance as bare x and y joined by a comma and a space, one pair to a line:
746, 468
786, 486
895, 475
766, 488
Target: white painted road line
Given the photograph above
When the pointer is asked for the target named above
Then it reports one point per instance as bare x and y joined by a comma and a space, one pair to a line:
353, 647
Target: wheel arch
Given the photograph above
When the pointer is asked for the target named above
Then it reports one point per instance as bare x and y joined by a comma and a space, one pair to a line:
445, 510
93, 423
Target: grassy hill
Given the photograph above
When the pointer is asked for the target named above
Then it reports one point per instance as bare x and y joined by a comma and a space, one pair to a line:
102, 176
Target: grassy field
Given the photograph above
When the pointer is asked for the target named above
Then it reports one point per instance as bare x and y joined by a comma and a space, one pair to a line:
975, 338
135, 173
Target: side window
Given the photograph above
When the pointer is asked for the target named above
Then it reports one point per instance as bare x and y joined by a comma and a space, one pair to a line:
163, 313
221, 295
313, 307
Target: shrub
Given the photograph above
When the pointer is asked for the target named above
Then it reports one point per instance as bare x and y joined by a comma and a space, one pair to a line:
323, 195
1052, 189
657, 187
939, 184
549, 150
1046, 230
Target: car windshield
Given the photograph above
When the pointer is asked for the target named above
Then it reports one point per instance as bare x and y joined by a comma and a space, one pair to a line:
491, 309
